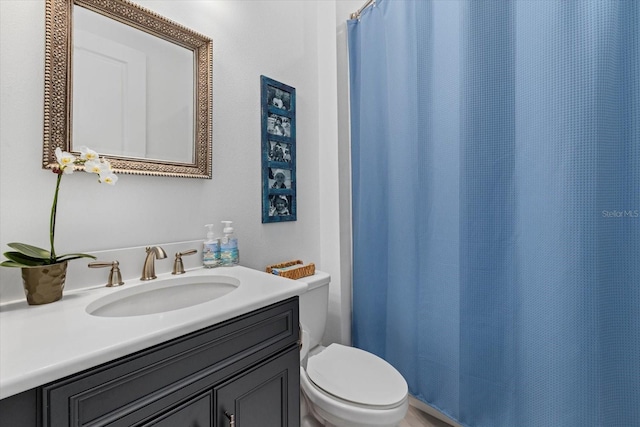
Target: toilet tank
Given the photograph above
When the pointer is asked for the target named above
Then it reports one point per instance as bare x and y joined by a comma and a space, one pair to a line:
313, 306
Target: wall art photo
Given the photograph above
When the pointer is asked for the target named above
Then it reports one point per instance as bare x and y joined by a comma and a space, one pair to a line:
279, 125
278, 98
278, 107
279, 205
280, 178
279, 151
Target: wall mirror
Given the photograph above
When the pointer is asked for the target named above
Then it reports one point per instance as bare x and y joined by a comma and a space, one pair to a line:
130, 84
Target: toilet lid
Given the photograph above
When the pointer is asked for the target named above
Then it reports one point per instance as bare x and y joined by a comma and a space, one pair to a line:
357, 376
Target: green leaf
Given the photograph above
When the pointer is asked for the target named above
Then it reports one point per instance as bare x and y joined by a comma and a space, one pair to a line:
69, 257
11, 264
30, 256
25, 260
29, 250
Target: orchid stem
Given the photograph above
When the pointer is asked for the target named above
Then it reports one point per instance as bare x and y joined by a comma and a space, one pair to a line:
52, 222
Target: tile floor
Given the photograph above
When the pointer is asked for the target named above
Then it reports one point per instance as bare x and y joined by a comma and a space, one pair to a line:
417, 418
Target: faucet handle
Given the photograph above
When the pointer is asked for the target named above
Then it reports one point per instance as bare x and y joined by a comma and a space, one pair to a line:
115, 278
178, 267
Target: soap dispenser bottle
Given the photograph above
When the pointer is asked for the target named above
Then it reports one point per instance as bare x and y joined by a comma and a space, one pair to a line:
210, 250
229, 254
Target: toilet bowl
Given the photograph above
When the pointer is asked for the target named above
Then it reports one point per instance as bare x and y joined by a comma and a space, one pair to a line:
348, 387
343, 386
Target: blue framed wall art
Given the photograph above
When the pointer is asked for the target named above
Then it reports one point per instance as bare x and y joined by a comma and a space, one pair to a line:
278, 103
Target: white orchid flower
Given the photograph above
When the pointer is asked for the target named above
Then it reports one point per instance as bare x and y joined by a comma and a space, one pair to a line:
108, 177
93, 166
106, 165
88, 154
65, 160
103, 169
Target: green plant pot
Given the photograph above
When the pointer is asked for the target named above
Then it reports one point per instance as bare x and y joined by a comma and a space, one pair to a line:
44, 284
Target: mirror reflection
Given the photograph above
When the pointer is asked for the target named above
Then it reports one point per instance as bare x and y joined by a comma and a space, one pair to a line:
131, 84
132, 92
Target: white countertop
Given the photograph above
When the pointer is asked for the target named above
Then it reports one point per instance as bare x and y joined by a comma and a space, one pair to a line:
39, 344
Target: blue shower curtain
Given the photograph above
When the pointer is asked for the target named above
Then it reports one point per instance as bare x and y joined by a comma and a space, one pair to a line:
496, 206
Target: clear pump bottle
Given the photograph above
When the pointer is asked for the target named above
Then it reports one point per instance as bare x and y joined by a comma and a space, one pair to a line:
210, 250
229, 254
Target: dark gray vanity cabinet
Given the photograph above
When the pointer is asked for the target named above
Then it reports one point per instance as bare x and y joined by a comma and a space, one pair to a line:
246, 369
262, 396
194, 412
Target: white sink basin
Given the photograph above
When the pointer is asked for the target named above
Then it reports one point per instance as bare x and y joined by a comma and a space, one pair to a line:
162, 296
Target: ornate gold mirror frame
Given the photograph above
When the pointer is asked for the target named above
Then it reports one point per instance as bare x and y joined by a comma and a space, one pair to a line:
59, 84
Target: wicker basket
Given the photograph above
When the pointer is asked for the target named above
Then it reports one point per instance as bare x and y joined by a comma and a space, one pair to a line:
292, 269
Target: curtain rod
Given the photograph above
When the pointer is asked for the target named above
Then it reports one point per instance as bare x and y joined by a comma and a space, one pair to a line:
356, 14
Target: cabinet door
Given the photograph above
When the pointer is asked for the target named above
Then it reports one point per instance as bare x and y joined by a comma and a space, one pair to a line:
267, 395
196, 412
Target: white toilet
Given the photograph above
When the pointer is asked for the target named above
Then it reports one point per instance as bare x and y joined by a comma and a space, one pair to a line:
343, 386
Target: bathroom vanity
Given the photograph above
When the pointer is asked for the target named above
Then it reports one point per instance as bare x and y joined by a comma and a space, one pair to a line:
241, 371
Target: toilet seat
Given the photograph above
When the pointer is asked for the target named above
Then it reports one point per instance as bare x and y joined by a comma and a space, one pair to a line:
334, 411
356, 376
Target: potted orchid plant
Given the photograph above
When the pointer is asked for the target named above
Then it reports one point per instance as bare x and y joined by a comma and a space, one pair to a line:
43, 266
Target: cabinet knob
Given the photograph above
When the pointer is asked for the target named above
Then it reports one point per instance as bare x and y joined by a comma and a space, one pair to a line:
231, 418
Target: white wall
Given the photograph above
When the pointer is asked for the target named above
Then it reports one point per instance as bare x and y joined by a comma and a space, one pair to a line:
291, 41
336, 247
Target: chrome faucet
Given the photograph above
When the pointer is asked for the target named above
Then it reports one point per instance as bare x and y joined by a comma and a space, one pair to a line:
149, 269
